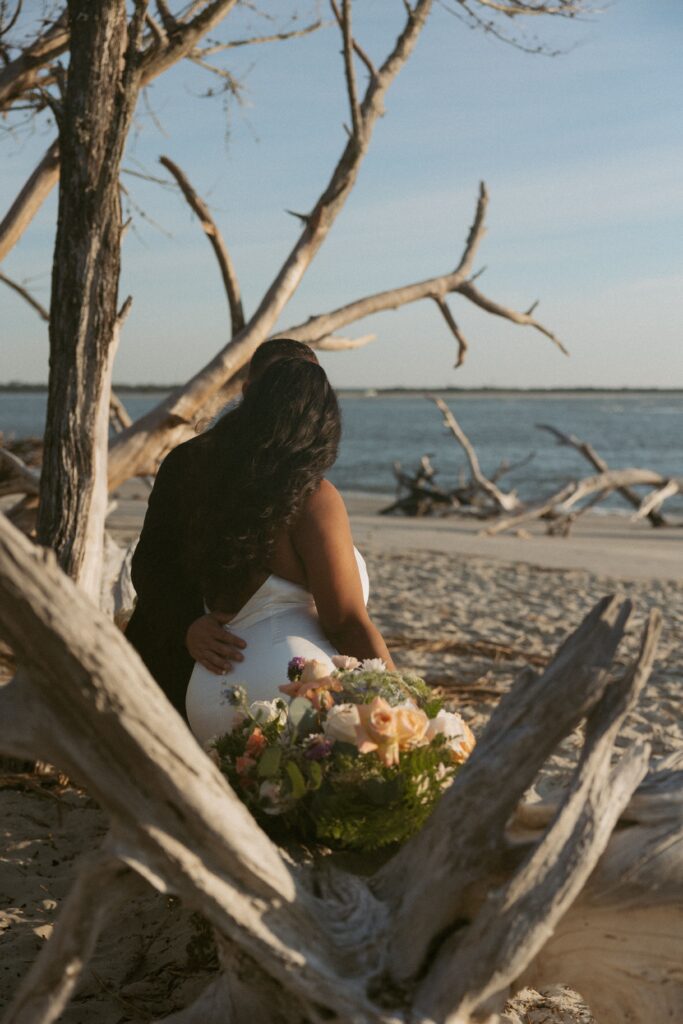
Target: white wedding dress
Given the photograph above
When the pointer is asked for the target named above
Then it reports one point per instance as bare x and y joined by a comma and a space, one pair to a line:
278, 622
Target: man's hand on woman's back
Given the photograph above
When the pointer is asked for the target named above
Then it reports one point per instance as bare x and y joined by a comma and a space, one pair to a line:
212, 645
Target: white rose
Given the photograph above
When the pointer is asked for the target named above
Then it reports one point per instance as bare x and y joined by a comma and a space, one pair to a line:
271, 794
341, 723
345, 663
373, 665
458, 735
265, 711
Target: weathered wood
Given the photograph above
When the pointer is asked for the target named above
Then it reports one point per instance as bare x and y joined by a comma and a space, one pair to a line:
313, 942
168, 423
589, 453
506, 502
100, 98
461, 841
479, 962
15, 476
22, 73
29, 200
567, 497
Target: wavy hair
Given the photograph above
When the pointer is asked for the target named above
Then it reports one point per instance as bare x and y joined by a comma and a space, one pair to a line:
260, 463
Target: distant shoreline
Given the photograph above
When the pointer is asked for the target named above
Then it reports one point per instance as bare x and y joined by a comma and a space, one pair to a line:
19, 387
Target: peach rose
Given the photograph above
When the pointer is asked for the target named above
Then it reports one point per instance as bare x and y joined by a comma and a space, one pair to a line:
376, 731
411, 726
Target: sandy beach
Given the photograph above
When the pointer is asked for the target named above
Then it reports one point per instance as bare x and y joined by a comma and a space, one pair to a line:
465, 611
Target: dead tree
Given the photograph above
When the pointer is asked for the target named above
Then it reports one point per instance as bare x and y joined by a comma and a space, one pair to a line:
589, 453
103, 82
418, 495
565, 502
461, 916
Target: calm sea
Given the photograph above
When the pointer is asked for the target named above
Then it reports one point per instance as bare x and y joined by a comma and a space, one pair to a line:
643, 430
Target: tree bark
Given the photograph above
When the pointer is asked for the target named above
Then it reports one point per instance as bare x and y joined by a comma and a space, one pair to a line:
100, 98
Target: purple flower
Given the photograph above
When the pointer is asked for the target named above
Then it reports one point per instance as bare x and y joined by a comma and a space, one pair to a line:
295, 668
320, 747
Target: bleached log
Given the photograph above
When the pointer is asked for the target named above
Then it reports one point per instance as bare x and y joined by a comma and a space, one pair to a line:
461, 841
589, 453
16, 477
481, 961
176, 821
29, 200
653, 501
565, 499
320, 943
630, 914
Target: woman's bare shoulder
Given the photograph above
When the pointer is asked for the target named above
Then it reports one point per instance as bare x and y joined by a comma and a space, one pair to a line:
325, 503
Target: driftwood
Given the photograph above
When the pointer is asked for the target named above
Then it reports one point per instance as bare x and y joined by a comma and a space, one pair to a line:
589, 453
465, 913
563, 502
419, 495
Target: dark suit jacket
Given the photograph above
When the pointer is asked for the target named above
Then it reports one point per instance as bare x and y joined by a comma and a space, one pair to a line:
169, 594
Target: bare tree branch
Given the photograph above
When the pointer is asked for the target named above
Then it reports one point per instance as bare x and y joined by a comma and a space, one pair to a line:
276, 37
475, 296
653, 501
349, 72
565, 499
457, 333
25, 294
477, 961
506, 502
563, 9
29, 200
337, 344
150, 435
589, 453
21, 74
183, 39
358, 50
208, 224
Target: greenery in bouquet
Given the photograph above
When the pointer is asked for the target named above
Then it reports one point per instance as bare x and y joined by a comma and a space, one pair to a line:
356, 758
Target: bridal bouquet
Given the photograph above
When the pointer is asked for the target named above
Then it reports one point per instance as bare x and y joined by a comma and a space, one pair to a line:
356, 758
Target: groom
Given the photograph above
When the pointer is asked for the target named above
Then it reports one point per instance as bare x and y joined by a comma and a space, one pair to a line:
169, 627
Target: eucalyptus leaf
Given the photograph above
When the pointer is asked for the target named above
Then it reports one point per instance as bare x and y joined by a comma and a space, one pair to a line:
298, 708
297, 781
269, 762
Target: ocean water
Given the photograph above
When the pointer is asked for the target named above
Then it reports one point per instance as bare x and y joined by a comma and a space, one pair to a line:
643, 430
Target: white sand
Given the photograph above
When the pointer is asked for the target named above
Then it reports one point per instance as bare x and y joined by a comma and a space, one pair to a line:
499, 603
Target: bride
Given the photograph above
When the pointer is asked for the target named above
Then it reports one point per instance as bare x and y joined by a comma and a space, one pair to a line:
270, 540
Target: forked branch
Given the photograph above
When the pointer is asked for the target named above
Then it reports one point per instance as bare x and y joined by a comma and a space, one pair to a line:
218, 245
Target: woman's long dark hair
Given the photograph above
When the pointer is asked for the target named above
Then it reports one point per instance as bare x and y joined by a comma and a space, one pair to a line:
260, 462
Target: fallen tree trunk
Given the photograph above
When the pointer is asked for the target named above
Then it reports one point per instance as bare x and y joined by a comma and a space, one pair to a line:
589, 453
442, 933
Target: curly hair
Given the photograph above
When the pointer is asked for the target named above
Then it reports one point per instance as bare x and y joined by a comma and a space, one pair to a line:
261, 461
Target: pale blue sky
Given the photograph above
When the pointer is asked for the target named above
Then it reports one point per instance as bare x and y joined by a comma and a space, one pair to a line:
582, 154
